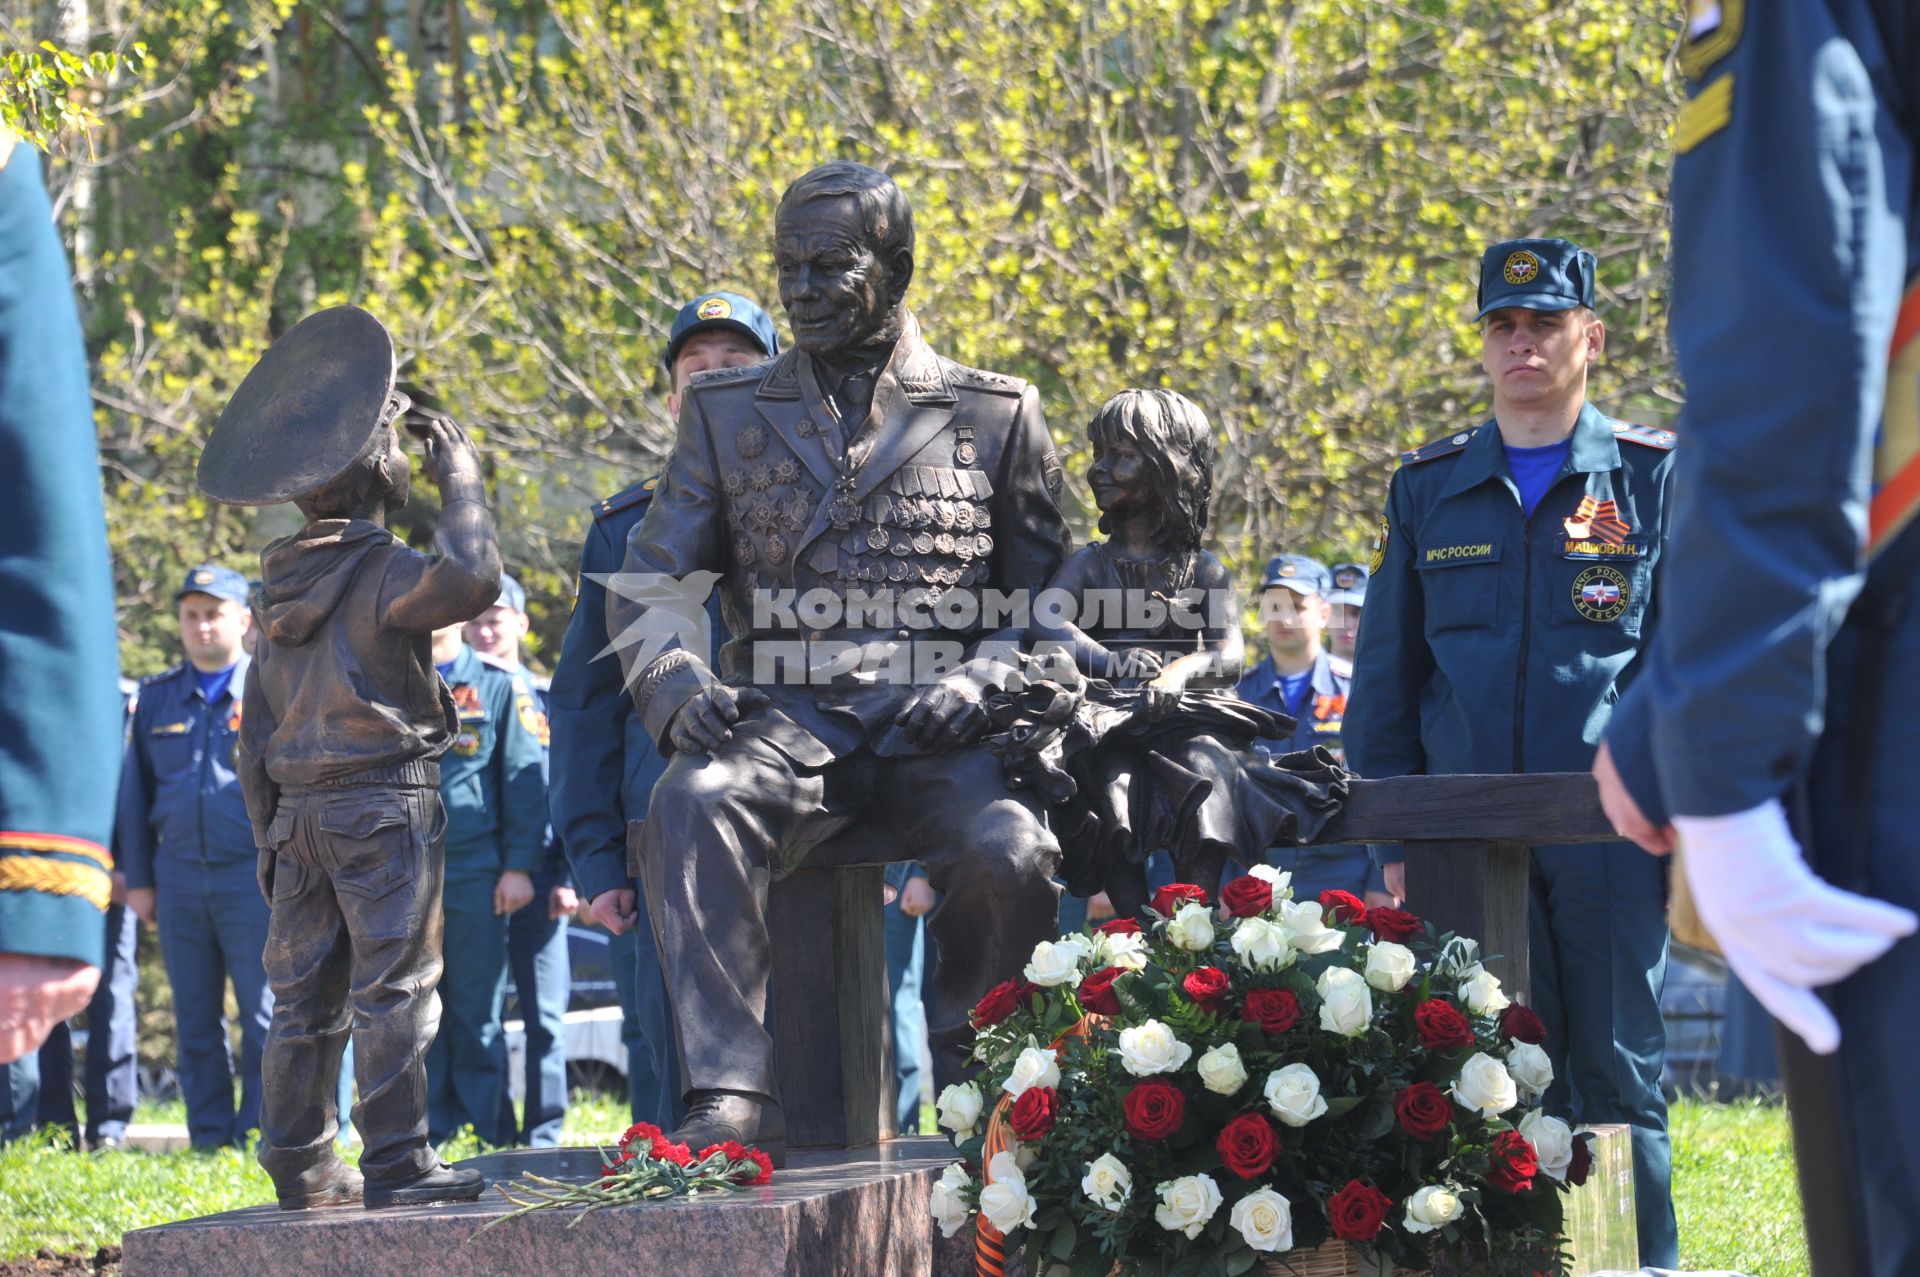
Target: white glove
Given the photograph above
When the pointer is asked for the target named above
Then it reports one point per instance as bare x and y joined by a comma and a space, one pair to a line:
1783, 931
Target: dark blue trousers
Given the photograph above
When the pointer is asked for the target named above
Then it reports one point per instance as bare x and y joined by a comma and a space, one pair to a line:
112, 1068
467, 1063
213, 931
19, 1096
653, 1060
537, 959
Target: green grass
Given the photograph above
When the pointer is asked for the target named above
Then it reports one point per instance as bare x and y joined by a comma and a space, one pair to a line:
1733, 1178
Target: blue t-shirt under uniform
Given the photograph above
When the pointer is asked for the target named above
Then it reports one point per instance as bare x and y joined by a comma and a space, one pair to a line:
213, 683
1535, 469
1293, 689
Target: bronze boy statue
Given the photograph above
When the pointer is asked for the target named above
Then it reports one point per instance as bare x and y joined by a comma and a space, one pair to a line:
343, 723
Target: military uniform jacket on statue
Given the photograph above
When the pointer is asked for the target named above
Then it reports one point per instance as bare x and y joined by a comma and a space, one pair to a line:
950, 483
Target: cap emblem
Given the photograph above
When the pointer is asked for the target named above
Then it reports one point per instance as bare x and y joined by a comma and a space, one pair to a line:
203, 577
1521, 268
1286, 569
715, 308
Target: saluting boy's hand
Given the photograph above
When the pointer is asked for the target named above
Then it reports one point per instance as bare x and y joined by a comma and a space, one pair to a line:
450, 453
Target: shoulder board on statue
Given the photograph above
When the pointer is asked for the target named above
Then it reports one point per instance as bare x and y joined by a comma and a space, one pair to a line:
974, 379
1444, 446
626, 499
1647, 436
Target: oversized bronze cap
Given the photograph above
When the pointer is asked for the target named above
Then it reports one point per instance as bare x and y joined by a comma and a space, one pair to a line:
308, 408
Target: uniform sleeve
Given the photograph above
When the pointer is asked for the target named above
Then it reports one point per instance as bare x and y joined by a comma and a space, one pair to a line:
588, 709
522, 779
1789, 252
1028, 553
1628, 732
1391, 662
133, 831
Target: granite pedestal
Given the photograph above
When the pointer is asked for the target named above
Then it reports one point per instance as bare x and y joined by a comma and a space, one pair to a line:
858, 1212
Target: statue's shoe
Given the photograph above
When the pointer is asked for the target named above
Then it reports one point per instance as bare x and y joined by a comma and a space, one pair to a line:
335, 1185
719, 1116
443, 1183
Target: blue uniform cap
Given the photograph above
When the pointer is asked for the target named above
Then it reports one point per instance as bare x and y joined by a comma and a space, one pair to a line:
1298, 573
511, 594
211, 578
720, 310
1349, 584
1539, 274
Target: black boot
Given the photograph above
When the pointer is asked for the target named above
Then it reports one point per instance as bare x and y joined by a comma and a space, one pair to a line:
442, 1183
332, 1184
718, 1116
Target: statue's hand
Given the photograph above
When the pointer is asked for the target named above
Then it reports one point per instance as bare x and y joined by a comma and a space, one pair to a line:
945, 716
705, 723
450, 453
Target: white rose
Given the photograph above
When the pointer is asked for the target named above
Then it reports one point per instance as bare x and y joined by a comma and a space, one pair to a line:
1389, 966
1037, 1066
949, 1203
1306, 931
1531, 1069
1346, 1004
1108, 1183
1186, 1204
1265, 1219
1053, 965
1005, 1202
1279, 879
1293, 1093
1485, 1085
1221, 1070
1152, 1048
1126, 950
960, 1106
1552, 1141
1079, 941
1430, 1207
1191, 928
1262, 945
1480, 990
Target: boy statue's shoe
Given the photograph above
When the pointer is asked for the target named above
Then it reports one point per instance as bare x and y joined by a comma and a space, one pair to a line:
335, 1185
441, 1184
718, 1116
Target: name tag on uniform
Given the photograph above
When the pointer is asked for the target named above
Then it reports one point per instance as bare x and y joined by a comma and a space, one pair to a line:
1595, 550
180, 728
1449, 556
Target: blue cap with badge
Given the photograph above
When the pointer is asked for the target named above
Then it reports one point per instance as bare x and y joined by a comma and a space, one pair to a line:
1298, 573
512, 595
214, 580
1349, 584
1539, 274
709, 311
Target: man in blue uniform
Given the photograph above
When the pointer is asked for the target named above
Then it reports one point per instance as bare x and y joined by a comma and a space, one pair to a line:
1509, 598
537, 931
493, 785
604, 764
187, 849
1301, 679
1787, 681
60, 728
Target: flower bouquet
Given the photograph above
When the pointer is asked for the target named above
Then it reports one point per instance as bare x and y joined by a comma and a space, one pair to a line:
1206, 1088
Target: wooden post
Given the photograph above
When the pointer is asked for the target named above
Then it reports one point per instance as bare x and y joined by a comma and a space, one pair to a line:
1477, 889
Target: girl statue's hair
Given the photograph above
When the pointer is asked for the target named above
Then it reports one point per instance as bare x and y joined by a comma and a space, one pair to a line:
1175, 439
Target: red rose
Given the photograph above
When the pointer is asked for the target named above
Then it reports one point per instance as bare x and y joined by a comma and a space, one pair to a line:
1442, 1027
1169, 897
1119, 927
1512, 1163
1518, 1024
1274, 1010
1154, 1109
1357, 1212
1582, 1164
1394, 924
1247, 1145
1096, 991
1245, 897
1002, 1000
1035, 1112
1334, 903
1423, 1111
1207, 987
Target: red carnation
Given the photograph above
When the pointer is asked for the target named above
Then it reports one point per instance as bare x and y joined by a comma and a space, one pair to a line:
1001, 1001
734, 1151
1513, 1163
1423, 1110
666, 1151
1154, 1109
1582, 1164
1247, 1145
1245, 897
1035, 1112
1518, 1024
1169, 897
1207, 986
1334, 903
1119, 927
1096, 991
1274, 1010
1394, 924
1442, 1027
642, 1133
1357, 1212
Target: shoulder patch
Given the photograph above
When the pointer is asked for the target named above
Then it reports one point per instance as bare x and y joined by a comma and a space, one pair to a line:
626, 499
1648, 436
974, 379
1444, 446
154, 680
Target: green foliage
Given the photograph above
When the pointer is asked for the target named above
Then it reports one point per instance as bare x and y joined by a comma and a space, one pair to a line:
45, 92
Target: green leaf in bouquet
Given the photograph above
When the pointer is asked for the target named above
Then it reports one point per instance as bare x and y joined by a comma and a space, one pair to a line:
1240, 1261
1379, 1119
1341, 1105
1065, 1238
1094, 1263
